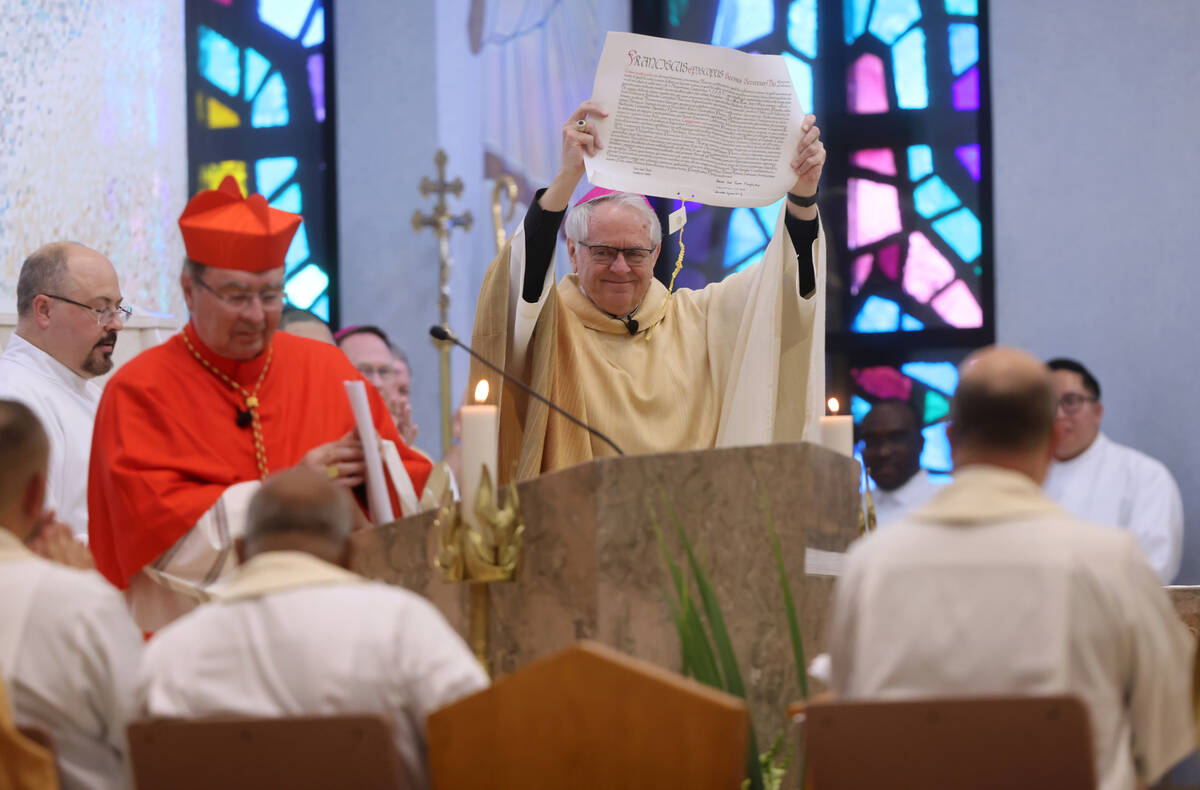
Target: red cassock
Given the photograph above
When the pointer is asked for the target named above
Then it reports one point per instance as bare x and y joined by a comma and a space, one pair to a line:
167, 443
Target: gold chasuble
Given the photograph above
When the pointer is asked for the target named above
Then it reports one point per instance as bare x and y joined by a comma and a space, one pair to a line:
739, 362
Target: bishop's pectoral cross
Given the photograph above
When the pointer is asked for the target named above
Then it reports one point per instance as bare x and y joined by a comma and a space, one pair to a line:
442, 222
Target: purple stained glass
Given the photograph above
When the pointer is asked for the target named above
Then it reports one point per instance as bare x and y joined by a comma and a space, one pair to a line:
883, 382
862, 270
866, 91
971, 159
874, 211
927, 271
966, 90
957, 305
889, 261
881, 160
316, 83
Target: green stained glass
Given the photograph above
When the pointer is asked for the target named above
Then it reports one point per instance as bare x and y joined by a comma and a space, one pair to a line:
289, 200
936, 406
962, 231
933, 197
892, 17
920, 161
856, 18
964, 47
270, 106
964, 7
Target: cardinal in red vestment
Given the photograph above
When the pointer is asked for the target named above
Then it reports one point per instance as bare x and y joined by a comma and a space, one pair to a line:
186, 431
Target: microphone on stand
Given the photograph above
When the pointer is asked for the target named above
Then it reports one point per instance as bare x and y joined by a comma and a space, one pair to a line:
444, 334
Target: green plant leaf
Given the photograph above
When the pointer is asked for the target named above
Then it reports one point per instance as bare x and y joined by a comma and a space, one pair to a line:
698, 658
788, 603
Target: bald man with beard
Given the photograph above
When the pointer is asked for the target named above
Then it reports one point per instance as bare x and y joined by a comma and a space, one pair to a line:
992, 589
69, 313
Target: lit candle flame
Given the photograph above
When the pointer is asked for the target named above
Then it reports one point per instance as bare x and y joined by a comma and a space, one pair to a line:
834, 405
481, 391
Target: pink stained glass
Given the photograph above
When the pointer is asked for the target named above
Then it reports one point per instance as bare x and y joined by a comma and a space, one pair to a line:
889, 261
927, 271
881, 160
866, 91
958, 307
883, 382
862, 270
970, 158
965, 90
874, 211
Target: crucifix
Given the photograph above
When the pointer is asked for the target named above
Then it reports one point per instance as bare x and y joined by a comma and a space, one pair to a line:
442, 222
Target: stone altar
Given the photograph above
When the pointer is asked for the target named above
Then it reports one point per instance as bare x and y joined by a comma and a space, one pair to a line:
593, 570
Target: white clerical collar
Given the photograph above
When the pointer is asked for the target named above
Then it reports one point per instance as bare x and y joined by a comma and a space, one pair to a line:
11, 547
276, 571
912, 492
21, 352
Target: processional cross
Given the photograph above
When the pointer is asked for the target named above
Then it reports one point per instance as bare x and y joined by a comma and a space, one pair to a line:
442, 222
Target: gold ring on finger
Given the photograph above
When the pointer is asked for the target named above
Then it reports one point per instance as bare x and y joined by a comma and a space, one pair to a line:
332, 472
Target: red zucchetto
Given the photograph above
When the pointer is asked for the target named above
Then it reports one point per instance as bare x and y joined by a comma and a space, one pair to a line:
223, 229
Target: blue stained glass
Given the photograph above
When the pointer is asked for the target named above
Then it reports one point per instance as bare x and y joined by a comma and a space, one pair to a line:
964, 7
741, 21
286, 16
744, 237
933, 197
936, 454
877, 315
769, 215
220, 61
941, 376
856, 18
802, 27
316, 31
298, 251
941, 479
962, 231
270, 108
256, 70
908, 61
303, 288
289, 200
859, 408
920, 161
910, 324
964, 47
270, 174
802, 80
893, 17
320, 308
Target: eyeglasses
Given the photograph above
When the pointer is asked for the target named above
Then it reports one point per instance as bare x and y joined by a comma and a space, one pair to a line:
242, 298
1073, 402
373, 373
603, 254
104, 315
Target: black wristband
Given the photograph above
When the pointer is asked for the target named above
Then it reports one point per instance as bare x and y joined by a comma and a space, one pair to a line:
803, 202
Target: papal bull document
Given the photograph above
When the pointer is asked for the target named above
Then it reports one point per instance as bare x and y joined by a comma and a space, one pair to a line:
694, 122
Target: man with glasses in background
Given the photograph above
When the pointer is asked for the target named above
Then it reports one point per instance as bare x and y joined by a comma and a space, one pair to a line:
1097, 479
386, 367
187, 431
69, 312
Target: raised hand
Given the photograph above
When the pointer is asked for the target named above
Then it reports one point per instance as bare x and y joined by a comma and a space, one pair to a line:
809, 160
578, 140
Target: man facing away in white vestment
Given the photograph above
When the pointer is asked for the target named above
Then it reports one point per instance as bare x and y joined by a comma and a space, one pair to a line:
68, 648
738, 362
293, 633
68, 315
892, 445
1097, 479
993, 589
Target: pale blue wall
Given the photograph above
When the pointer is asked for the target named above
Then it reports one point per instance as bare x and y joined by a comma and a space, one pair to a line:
1095, 113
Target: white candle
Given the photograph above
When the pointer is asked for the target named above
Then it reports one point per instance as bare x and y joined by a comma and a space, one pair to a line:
480, 447
837, 431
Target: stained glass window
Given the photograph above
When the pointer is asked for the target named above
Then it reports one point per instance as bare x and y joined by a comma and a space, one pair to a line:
256, 70
899, 90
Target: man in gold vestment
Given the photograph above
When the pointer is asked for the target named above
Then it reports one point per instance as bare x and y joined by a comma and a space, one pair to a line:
738, 362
